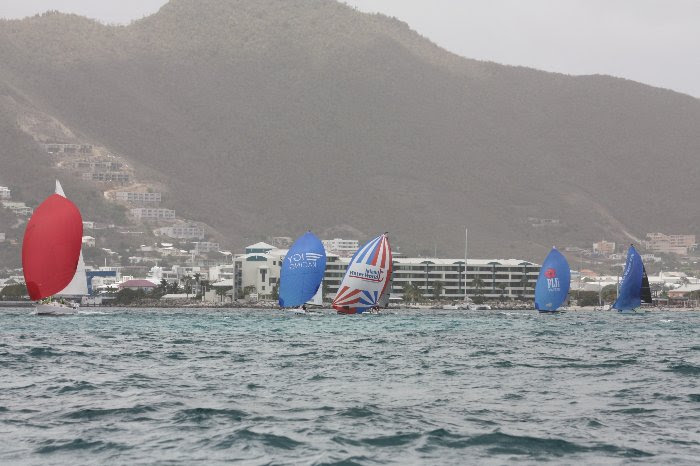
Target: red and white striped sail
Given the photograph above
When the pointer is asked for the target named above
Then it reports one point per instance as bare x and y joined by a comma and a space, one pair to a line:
366, 278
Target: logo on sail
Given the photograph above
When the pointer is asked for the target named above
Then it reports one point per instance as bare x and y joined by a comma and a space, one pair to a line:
303, 260
368, 274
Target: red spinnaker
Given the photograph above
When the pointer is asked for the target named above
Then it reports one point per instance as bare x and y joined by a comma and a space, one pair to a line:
51, 247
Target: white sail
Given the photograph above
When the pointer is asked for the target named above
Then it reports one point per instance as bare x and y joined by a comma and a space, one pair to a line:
77, 286
317, 299
59, 189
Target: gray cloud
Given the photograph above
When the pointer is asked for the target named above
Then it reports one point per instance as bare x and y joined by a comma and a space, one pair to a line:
652, 41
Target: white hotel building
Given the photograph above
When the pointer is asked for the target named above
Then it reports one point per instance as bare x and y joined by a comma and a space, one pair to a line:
490, 278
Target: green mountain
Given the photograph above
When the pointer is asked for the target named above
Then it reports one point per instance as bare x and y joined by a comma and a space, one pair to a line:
269, 117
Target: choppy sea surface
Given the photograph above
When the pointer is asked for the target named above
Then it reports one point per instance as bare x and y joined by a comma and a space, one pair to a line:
408, 387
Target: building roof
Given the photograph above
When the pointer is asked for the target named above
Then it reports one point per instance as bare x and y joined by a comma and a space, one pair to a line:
260, 245
177, 296
471, 262
138, 283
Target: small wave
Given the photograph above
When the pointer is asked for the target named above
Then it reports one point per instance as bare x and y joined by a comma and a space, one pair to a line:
483, 353
684, 369
201, 415
43, 352
270, 440
77, 387
96, 413
498, 443
79, 444
358, 412
694, 397
350, 461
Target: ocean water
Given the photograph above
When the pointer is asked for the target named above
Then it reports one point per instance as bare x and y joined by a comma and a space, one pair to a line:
411, 387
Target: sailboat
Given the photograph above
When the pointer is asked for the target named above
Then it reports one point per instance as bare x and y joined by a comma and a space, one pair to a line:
553, 283
634, 288
366, 279
52, 259
302, 273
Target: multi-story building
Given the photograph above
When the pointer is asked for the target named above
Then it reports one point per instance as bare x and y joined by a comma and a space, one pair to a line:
147, 213
184, 231
61, 148
671, 244
604, 248
95, 165
490, 278
2, 237
5, 193
138, 198
107, 177
19, 208
205, 247
341, 247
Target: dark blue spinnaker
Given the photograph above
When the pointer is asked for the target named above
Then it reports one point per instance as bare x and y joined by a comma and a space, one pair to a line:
302, 271
629, 296
553, 283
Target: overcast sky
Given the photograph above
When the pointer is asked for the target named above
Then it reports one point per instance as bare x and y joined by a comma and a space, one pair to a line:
653, 41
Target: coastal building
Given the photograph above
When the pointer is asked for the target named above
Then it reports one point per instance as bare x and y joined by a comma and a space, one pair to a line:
445, 278
671, 244
604, 248
182, 231
138, 284
88, 241
2, 237
19, 208
146, 213
259, 269
341, 247
138, 198
5, 193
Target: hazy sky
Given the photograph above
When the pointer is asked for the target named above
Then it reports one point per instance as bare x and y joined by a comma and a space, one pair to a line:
652, 41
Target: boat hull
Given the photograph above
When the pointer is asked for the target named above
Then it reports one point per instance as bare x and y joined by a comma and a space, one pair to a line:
55, 309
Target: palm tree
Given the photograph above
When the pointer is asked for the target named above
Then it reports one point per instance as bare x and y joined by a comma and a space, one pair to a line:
502, 287
411, 293
478, 283
524, 281
437, 290
493, 275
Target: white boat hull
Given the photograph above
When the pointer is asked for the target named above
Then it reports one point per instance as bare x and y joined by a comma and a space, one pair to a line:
55, 309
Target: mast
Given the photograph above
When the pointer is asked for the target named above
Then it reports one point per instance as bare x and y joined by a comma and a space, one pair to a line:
466, 238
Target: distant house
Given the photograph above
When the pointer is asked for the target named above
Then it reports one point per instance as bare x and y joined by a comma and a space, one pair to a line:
88, 241
145, 213
683, 291
140, 198
186, 231
19, 208
138, 284
5, 193
2, 237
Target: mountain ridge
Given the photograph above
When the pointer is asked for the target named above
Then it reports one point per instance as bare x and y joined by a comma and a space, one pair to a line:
358, 107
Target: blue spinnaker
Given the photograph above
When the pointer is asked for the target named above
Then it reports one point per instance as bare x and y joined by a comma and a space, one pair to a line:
302, 271
553, 283
629, 296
